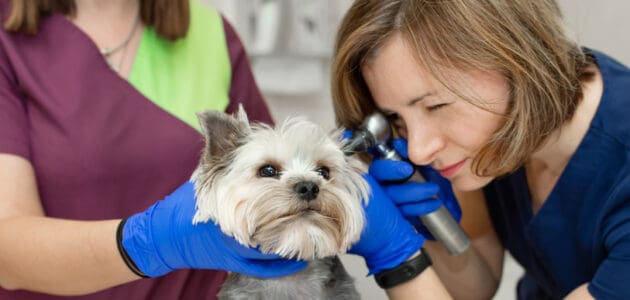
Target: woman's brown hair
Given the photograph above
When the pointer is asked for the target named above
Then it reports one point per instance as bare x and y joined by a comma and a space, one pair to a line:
523, 40
169, 18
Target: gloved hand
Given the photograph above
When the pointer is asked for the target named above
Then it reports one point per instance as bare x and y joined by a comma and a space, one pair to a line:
163, 238
414, 199
387, 239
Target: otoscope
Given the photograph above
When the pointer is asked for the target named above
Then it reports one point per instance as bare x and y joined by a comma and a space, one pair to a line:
374, 133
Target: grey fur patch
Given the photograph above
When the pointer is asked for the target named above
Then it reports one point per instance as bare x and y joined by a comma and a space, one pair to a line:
323, 279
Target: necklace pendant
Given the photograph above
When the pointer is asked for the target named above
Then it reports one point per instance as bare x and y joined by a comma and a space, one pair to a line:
108, 52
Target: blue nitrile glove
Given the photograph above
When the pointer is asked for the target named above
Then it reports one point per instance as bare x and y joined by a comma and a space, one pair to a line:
387, 239
414, 199
163, 238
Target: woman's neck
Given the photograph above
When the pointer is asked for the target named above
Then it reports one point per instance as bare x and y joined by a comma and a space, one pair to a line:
545, 166
104, 9
111, 25
106, 21
562, 144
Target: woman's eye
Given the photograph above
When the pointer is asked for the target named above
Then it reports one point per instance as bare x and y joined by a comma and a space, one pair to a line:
323, 172
268, 171
437, 106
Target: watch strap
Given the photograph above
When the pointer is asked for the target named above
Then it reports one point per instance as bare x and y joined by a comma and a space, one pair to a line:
123, 253
404, 272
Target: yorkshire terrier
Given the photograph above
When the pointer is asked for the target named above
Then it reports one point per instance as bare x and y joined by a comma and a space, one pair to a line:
288, 190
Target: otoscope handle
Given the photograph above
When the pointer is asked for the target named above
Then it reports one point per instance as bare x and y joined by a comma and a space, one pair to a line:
445, 229
374, 132
440, 222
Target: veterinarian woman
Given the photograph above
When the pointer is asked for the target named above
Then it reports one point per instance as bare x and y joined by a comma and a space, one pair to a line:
529, 128
97, 123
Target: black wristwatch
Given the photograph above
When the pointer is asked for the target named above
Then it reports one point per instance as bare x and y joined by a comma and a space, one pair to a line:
404, 272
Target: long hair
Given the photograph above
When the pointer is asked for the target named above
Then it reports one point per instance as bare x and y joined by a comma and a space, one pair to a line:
522, 40
169, 18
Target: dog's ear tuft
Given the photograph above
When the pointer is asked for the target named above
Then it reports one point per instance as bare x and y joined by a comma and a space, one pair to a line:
222, 132
241, 115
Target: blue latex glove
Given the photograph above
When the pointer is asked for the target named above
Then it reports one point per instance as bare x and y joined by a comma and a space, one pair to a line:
387, 239
163, 238
414, 199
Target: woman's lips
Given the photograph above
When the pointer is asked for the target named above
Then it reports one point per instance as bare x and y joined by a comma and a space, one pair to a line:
452, 169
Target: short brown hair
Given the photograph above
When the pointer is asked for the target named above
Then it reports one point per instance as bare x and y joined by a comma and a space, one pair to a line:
169, 18
523, 40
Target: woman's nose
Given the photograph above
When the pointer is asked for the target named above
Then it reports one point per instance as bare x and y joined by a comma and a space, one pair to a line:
424, 143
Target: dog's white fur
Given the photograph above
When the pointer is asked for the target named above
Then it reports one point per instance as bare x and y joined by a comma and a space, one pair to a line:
265, 212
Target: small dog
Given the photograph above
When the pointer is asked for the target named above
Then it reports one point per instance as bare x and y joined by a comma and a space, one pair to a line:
290, 191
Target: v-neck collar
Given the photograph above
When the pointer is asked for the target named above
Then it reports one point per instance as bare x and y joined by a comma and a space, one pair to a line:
93, 48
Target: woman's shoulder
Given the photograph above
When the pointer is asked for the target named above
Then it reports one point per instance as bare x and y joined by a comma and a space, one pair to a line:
608, 62
203, 16
207, 30
611, 119
206, 17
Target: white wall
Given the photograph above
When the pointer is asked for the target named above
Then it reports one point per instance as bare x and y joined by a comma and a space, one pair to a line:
601, 25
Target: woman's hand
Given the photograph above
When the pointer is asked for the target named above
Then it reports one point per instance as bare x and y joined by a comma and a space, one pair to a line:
387, 239
163, 238
414, 199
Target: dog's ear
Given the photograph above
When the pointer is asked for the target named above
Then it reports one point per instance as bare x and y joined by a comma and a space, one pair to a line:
222, 131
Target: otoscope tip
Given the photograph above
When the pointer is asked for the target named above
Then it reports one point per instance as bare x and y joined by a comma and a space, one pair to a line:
360, 141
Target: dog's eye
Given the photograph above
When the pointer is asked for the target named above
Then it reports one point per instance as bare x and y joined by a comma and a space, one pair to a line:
323, 172
268, 171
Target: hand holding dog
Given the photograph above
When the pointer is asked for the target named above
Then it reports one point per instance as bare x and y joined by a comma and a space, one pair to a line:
414, 199
387, 239
163, 238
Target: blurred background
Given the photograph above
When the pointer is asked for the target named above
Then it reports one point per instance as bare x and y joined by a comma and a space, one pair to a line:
290, 43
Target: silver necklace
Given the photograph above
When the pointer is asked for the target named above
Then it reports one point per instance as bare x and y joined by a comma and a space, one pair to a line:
107, 52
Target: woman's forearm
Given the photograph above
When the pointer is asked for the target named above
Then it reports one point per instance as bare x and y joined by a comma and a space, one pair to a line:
467, 276
60, 257
426, 285
476, 273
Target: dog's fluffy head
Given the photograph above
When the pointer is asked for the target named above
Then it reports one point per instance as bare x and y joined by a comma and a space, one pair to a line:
289, 190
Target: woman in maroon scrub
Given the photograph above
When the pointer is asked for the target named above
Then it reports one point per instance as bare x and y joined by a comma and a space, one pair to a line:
88, 138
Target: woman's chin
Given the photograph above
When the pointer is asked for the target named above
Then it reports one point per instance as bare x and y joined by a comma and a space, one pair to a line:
469, 182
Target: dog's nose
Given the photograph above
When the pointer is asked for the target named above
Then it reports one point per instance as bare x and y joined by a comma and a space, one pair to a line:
307, 190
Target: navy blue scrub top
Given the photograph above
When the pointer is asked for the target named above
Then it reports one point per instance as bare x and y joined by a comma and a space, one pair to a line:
582, 232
